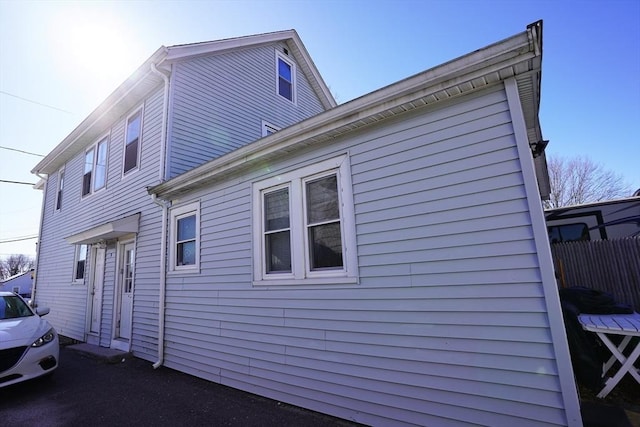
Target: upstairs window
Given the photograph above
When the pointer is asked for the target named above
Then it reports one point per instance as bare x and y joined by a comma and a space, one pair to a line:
60, 189
304, 226
132, 142
286, 77
95, 168
88, 172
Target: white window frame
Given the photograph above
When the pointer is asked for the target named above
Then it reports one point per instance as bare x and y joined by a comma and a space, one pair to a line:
177, 213
76, 259
139, 110
268, 128
57, 203
294, 91
301, 273
94, 165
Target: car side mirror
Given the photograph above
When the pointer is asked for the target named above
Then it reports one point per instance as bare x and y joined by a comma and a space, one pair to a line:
42, 311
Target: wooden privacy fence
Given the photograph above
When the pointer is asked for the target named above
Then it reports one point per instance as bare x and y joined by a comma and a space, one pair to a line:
611, 266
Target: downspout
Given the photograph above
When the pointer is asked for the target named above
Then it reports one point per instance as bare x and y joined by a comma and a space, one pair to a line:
38, 243
165, 213
163, 279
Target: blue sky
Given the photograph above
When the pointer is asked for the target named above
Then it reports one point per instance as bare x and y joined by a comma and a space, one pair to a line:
59, 60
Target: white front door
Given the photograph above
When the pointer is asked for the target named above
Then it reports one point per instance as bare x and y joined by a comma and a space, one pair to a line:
124, 297
97, 283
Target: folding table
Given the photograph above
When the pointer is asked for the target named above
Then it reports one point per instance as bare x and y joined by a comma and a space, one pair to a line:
627, 325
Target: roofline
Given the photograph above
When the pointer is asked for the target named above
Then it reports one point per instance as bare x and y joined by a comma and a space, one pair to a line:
168, 55
481, 68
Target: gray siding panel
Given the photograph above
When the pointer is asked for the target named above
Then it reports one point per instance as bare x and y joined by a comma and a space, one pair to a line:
218, 103
122, 196
448, 324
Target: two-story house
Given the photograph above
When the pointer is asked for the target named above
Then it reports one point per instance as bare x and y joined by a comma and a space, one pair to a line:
100, 232
384, 261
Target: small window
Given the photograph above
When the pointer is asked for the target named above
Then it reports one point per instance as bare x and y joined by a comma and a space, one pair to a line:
286, 72
568, 232
185, 237
132, 142
304, 226
16, 289
268, 128
80, 263
60, 189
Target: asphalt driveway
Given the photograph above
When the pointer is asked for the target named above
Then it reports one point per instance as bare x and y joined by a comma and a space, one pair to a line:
85, 391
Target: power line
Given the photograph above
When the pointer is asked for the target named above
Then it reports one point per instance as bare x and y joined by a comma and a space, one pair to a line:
35, 102
19, 239
17, 182
21, 151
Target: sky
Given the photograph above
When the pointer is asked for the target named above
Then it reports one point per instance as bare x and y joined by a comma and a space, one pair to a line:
60, 59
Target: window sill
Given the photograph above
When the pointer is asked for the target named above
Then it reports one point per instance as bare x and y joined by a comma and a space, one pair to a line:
177, 272
310, 281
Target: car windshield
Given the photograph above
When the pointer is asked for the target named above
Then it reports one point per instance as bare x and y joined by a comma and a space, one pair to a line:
13, 307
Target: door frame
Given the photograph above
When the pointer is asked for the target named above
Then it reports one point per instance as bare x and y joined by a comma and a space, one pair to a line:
94, 337
118, 342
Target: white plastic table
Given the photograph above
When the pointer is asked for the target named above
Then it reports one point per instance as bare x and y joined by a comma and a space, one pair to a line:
627, 325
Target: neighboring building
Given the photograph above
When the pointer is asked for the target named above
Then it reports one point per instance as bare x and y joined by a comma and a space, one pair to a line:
385, 261
19, 283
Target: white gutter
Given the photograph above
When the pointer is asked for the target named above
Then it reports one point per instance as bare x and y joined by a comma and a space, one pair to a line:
165, 213
38, 242
163, 280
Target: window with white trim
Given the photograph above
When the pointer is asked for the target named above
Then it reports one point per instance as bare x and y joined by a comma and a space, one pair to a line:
185, 237
268, 128
132, 142
79, 263
304, 226
286, 75
95, 167
60, 189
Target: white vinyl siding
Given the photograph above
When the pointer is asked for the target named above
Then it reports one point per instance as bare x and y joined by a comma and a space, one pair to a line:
217, 101
447, 325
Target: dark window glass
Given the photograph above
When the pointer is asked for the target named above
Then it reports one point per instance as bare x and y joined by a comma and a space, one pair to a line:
186, 241
323, 223
285, 82
60, 188
88, 171
81, 259
277, 236
131, 143
101, 166
568, 233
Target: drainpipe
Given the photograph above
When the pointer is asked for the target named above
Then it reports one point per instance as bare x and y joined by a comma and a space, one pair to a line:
165, 213
163, 278
38, 243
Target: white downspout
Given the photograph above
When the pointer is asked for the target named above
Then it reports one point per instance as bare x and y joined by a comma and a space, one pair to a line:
165, 210
38, 243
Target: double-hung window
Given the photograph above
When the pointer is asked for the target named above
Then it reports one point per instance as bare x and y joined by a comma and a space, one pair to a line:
185, 237
132, 142
60, 189
79, 264
304, 228
286, 72
95, 167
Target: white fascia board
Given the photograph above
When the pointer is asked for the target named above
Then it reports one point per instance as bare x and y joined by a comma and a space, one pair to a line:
180, 52
62, 151
309, 66
487, 61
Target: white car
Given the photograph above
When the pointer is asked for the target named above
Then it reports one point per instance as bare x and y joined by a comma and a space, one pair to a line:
29, 345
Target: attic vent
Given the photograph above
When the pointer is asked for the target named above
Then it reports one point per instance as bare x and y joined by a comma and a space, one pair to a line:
286, 52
